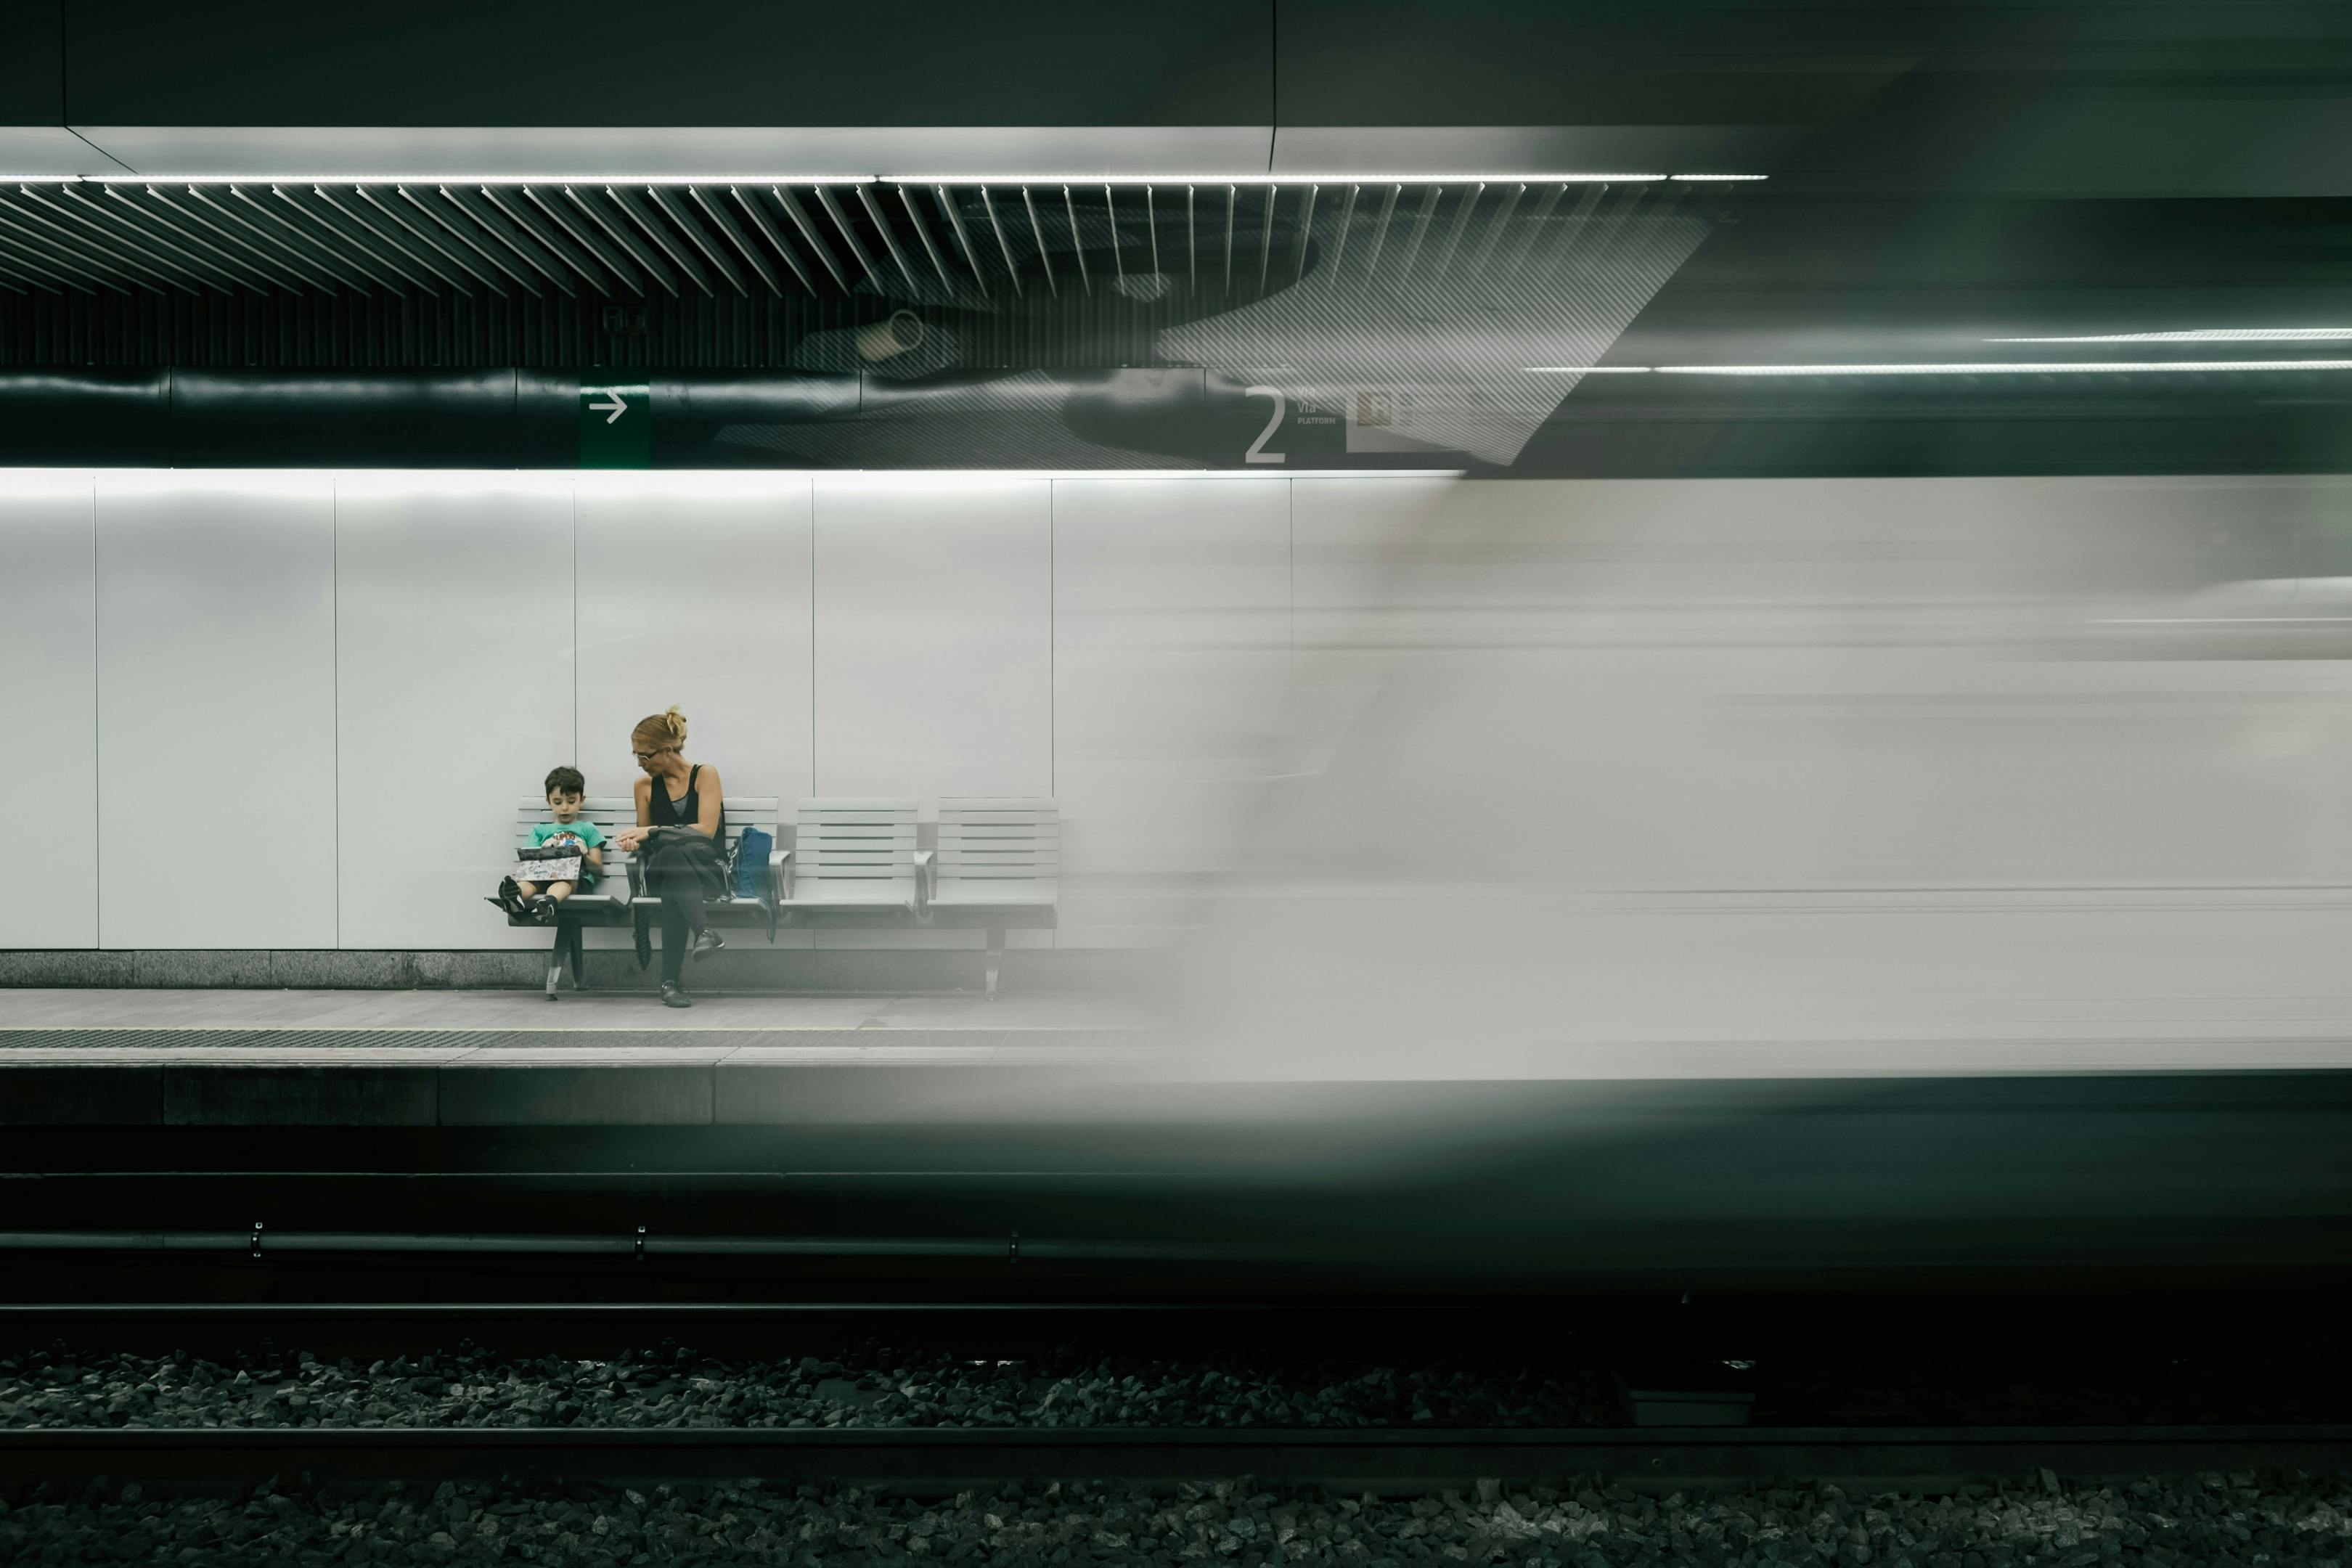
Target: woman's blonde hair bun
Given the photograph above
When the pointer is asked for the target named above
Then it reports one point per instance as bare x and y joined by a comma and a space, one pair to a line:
662, 731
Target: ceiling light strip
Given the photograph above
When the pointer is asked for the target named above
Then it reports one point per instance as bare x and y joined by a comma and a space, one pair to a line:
966, 177
769, 231
735, 237
930, 249
2206, 335
514, 213
963, 236
589, 244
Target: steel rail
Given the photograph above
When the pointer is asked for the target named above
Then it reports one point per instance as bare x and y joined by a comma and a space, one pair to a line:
1011, 1248
947, 1460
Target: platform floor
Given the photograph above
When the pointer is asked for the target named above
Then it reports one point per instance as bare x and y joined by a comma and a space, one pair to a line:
451, 1058
89, 1027
438, 1027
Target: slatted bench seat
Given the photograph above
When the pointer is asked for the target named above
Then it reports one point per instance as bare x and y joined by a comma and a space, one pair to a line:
1000, 866
854, 862
760, 811
605, 903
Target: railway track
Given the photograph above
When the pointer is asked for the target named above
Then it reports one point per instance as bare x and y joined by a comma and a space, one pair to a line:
949, 1460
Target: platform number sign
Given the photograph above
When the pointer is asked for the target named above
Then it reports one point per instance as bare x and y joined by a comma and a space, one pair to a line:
1258, 452
1304, 424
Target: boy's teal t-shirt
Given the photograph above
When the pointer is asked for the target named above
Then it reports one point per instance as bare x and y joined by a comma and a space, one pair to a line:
591, 836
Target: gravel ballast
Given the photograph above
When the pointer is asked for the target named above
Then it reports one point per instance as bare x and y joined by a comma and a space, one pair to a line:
2208, 1523
876, 1388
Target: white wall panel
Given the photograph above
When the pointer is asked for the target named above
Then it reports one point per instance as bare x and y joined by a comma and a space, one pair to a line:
216, 710
1171, 652
695, 590
934, 653
48, 697
453, 661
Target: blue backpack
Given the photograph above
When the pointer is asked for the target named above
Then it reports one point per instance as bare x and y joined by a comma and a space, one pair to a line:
751, 851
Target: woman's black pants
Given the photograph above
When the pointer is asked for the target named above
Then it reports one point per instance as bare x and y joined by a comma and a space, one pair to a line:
676, 878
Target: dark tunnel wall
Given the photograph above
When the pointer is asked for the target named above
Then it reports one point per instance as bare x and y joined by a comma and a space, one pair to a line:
707, 63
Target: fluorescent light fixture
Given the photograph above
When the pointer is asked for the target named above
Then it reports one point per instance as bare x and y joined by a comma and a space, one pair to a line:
465, 179
1261, 177
2206, 335
2107, 367
1962, 367
775, 177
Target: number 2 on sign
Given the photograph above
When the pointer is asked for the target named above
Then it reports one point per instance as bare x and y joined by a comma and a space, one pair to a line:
1258, 452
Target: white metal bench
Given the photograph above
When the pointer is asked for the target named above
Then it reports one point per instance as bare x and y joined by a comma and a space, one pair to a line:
1000, 866
607, 903
854, 862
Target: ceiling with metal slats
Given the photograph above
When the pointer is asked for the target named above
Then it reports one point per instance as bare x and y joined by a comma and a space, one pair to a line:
985, 246
1437, 293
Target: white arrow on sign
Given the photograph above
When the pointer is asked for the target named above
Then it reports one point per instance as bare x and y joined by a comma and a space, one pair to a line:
617, 405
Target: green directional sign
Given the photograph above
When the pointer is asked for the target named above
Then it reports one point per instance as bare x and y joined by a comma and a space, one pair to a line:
616, 421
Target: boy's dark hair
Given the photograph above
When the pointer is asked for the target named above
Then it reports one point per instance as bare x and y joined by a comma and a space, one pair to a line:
567, 780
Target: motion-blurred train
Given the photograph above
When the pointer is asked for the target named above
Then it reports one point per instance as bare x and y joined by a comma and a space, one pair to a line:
1809, 880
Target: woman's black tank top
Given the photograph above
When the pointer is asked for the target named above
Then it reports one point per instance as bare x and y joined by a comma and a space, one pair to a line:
686, 813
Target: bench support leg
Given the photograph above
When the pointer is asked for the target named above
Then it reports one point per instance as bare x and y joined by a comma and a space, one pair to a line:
575, 939
555, 963
996, 956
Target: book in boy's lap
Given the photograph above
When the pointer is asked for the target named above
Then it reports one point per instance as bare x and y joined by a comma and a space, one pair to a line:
546, 863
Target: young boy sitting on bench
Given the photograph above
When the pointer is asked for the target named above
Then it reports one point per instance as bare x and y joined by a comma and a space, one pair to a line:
565, 791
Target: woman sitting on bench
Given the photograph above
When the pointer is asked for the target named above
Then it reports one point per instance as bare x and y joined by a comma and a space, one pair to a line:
682, 834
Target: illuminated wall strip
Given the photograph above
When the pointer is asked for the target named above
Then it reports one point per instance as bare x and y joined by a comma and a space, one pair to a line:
51, 481
2110, 367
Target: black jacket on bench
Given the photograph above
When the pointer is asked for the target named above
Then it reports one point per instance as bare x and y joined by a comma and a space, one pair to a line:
677, 848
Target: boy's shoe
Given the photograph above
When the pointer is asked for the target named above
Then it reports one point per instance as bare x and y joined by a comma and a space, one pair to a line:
705, 941
674, 995
543, 909
509, 897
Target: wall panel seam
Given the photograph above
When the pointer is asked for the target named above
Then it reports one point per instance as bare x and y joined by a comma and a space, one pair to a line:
97, 721
335, 667
1053, 659
97, 694
572, 489
812, 675
1053, 644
